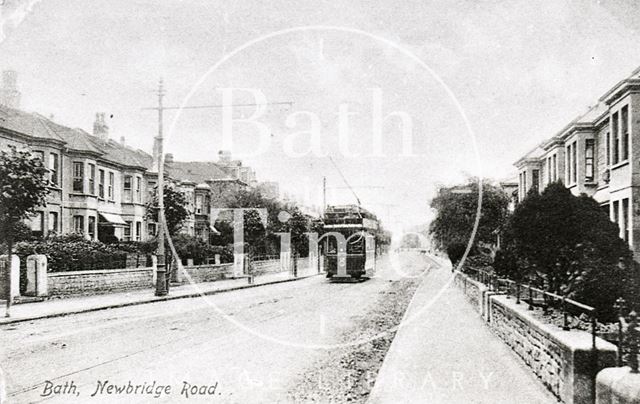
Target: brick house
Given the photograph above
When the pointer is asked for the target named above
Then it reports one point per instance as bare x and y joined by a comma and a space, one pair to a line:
598, 154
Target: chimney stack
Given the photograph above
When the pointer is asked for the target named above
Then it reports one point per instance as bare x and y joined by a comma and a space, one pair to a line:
122, 140
100, 128
9, 94
224, 157
168, 158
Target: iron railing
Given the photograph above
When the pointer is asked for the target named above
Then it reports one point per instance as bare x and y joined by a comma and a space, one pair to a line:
535, 297
628, 336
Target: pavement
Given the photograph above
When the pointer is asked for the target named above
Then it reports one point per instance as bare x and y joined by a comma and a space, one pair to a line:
74, 305
445, 353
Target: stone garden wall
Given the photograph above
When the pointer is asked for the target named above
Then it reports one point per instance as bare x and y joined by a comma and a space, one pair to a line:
76, 283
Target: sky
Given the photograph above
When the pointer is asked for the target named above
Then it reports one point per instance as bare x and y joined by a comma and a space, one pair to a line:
481, 83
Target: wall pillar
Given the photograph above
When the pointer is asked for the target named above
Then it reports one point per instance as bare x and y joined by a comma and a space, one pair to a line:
37, 275
15, 275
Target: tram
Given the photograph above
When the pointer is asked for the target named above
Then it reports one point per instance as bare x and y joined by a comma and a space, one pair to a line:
357, 226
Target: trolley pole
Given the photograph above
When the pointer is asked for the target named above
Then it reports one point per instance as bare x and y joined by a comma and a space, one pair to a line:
162, 287
324, 195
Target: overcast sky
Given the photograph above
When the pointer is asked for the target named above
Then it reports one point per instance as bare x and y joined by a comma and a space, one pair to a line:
519, 70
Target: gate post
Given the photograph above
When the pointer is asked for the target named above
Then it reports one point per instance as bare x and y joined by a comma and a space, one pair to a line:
15, 276
37, 275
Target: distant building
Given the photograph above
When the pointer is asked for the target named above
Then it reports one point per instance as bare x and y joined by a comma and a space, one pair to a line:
510, 187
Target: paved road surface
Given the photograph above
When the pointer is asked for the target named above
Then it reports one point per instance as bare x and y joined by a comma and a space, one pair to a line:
189, 340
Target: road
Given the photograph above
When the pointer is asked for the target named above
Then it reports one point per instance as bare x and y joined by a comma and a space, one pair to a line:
242, 346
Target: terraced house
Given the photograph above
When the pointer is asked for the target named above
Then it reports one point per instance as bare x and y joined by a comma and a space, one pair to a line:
98, 186
597, 154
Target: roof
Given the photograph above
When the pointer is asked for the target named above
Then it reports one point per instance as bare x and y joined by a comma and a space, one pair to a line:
594, 113
37, 126
27, 124
533, 154
197, 171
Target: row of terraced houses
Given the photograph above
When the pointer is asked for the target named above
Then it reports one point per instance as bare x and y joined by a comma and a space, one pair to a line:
100, 187
597, 154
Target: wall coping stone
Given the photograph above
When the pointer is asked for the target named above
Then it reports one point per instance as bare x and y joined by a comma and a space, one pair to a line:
98, 272
617, 386
575, 340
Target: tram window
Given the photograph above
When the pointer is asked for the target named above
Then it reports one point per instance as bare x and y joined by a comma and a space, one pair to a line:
355, 246
333, 245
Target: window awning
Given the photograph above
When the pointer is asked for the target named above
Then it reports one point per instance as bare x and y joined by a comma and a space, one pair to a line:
111, 219
214, 230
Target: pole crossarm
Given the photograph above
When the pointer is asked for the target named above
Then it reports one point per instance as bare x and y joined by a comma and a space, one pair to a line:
290, 103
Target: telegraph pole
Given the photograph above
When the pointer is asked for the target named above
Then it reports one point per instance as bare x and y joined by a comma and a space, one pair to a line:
162, 281
162, 284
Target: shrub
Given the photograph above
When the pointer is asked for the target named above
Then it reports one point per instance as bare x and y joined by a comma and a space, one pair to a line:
73, 253
568, 245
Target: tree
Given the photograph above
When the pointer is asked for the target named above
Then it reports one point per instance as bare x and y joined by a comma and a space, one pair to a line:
567, 244
175, 211
456, 210
23, 188
281, 217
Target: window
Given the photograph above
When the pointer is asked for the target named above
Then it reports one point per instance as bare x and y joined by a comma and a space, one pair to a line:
78, 224
615, 212
574, 162
608, 148
138, 189
127, 188
624, 133
101, 183
555, 167
535, 180
198, 204
615, 141
568, 164
36, 224
92, 227
53, 168
151, 229
151, 185
127, 232
78, 177
92, 179
53, 222
111, 181
624, 228
549, 173
589, 146
138, 231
